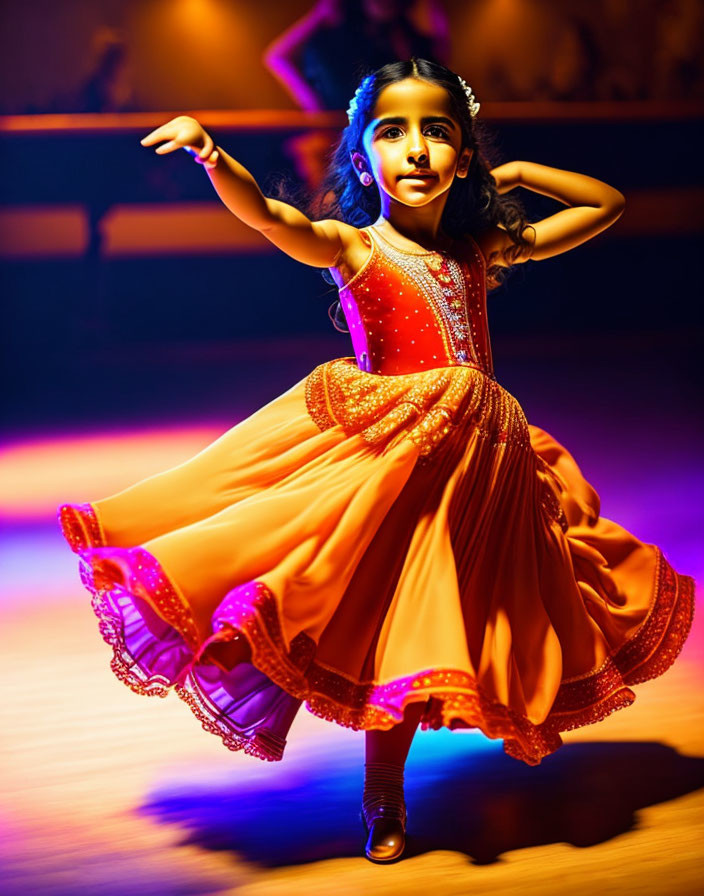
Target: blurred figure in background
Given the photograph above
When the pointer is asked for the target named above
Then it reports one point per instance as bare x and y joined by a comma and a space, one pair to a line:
573, 67
321, 57
108, 85
677, 66
106, 88
626, 69
599, 55
659, 59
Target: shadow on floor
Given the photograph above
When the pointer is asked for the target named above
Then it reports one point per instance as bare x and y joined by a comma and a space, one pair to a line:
483, 805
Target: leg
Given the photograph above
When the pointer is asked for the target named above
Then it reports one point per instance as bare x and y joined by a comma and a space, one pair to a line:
384, 808
392, 746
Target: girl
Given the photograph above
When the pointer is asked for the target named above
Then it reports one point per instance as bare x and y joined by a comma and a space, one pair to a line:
388, 540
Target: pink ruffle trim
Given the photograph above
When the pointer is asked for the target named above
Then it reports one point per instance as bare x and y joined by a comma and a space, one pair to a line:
252, 706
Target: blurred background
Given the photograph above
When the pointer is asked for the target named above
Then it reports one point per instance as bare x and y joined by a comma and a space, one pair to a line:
140, 320
125, 264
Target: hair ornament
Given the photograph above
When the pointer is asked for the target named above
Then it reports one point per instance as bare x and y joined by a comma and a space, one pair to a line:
473, 105
352, 108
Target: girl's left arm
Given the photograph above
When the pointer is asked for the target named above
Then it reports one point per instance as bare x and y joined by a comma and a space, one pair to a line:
594, 206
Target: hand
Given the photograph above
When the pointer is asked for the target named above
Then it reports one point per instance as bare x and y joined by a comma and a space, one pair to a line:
184, 132
507, 176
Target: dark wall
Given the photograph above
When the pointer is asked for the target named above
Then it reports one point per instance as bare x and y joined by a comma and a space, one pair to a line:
78, 333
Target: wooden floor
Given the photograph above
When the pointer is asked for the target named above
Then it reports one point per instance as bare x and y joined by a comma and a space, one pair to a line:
106, 792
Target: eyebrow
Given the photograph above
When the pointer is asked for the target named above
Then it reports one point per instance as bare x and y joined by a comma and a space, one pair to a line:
400, 119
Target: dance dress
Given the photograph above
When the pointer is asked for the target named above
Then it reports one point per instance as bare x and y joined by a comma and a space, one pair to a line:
389, 530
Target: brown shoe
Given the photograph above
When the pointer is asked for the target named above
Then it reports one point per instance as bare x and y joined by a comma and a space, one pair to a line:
385, 826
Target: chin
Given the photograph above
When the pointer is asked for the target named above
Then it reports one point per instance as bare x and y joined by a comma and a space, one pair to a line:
413, 196
420, 194
419, 199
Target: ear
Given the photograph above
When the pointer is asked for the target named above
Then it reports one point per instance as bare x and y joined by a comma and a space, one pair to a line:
359, 162
463, 163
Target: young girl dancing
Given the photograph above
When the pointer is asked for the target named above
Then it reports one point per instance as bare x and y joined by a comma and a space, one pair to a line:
389, 540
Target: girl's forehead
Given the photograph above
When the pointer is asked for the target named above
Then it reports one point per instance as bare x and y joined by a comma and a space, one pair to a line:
412, 97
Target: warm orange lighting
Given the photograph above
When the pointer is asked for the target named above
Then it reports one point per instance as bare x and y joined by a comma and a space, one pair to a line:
37, 476
43, 230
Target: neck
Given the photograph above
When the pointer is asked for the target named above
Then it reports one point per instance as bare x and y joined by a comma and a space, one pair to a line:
421, 225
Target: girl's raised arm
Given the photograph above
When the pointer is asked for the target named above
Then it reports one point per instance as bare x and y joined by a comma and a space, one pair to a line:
594, 206
317, 243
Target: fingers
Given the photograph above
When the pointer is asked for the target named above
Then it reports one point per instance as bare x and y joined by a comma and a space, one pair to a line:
155, 137
178, 140
181, 138
208, 147
152, 138
210, 162
168, 147
213, 160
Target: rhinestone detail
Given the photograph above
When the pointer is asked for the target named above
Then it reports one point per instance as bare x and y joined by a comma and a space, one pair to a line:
445, 290
454, 698
423, 407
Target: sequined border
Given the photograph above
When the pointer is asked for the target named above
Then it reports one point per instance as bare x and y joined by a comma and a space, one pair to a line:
363, 705
145, 578
454, 699
264, 745
422, 406
80, 526
316, 398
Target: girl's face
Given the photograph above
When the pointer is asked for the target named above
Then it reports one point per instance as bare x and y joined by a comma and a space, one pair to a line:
413, 143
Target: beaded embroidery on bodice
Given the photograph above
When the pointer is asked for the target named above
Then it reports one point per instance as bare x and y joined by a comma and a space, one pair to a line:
412, 311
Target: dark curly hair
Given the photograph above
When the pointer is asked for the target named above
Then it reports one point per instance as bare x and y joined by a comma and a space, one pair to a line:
473, 203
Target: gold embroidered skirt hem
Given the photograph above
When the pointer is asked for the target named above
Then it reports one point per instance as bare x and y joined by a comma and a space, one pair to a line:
420, 543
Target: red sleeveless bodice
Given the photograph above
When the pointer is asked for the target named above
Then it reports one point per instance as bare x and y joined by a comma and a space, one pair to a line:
413, 311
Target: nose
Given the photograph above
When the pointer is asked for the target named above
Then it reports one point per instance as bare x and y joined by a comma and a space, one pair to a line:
417, 149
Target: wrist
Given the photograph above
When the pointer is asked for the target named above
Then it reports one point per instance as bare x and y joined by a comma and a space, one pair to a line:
209, 161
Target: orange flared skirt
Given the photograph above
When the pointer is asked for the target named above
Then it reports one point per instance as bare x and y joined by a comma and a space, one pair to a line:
380, 541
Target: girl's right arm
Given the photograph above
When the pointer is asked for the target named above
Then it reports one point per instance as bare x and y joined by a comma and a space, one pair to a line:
317, 243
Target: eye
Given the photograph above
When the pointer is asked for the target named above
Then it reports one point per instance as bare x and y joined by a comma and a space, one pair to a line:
392, 132
437, 130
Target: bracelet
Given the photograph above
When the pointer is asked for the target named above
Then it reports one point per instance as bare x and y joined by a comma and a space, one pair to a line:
194, 155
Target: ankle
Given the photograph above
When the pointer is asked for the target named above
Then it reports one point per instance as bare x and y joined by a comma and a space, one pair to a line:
383, 771
383, 789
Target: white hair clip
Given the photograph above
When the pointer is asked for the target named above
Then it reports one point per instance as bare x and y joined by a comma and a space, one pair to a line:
473, 105
352, 108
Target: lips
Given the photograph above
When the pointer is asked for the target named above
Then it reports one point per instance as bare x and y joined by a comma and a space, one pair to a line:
417, 175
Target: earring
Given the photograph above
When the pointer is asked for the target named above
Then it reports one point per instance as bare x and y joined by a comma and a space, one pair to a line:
366, 179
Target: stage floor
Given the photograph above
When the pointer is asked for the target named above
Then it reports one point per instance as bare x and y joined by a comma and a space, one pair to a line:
106, 792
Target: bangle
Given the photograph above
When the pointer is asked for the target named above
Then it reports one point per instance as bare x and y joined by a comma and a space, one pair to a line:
194, 154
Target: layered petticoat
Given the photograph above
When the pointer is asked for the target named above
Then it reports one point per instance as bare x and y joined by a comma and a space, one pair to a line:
380, 541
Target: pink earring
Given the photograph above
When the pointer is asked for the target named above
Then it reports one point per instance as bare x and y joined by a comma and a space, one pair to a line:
366, 179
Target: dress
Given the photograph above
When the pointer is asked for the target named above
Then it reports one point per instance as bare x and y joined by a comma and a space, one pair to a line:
387, 531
